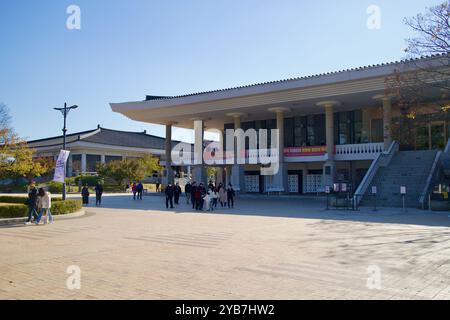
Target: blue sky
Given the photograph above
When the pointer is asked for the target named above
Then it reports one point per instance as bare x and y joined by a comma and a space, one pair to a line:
129, 48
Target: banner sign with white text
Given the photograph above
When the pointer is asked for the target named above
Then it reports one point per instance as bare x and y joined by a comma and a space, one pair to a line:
60, 168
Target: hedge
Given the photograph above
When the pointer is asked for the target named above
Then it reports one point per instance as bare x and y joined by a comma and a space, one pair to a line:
66, 207
20, 200
15, 210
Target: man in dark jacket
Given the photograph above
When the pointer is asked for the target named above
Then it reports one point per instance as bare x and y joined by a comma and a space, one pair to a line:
98, 194
230, 196
31, 202
193, 191
140, 190
176, 192
169, 195
188, 190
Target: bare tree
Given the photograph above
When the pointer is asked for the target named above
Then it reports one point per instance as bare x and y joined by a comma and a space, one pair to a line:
433, 38
5, 118
433, 30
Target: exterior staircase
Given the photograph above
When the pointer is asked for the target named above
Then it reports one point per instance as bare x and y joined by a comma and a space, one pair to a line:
407, 168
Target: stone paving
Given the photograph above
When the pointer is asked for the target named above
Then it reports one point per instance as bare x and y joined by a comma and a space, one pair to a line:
264, 249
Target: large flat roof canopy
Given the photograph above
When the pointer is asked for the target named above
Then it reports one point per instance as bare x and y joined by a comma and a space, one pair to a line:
353, 88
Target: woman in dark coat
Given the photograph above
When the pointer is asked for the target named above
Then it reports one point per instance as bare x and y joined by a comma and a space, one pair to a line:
85, 194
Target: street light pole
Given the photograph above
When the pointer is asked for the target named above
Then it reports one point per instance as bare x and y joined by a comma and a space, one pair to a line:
65, 111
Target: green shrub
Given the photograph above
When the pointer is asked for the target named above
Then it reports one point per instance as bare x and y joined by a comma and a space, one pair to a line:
13, 211
21, 200
91, 181
66, 207
12, 199
16, 210
54, 187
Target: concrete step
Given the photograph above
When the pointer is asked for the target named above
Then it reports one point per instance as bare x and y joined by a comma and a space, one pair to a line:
407, 168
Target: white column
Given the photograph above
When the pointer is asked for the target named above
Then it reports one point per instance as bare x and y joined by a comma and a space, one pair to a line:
83, 162
280, 179
199, 169
237, 170
103, 159
329, 168
70, 166
220, 169
387, 118
168, 153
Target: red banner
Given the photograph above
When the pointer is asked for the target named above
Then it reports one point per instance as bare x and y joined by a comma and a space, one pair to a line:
305, 151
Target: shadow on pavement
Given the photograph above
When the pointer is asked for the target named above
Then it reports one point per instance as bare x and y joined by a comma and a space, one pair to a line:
284, 207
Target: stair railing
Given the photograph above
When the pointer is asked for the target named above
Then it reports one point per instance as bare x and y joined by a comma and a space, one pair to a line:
382, 160
434, 175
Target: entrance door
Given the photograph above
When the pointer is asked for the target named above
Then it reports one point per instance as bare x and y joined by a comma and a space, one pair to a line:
251, 181
295, 181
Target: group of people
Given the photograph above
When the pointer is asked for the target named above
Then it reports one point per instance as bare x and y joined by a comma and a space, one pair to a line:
201, 197
98, 194
39, 204
171, 192
138, 190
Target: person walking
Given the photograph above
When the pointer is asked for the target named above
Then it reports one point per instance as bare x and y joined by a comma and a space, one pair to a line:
198, 197
222, 195
85, 194
187, 191
193, 191
44, 204
207, 201
134, 190
158, 185
169, 195
31, 202
98, 194
202, 190
230, 196
177, 192
214, 197
140, 190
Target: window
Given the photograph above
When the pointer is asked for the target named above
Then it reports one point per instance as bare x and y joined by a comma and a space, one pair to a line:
91, 162
300, 133
76, 162
289, 132
377, 130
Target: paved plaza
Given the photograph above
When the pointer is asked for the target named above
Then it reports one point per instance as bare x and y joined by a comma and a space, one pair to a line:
264, 249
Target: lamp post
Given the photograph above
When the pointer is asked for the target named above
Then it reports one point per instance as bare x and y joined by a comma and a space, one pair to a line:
65, 111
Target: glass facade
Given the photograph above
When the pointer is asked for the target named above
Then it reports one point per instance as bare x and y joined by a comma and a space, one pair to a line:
348, 127
422, 132
92, 161
76, 163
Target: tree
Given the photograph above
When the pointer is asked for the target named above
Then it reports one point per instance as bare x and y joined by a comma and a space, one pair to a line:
433, 30
129, 169
16, 159
433, 38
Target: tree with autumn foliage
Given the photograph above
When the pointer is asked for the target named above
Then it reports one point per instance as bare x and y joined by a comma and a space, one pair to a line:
16, 159
129, 169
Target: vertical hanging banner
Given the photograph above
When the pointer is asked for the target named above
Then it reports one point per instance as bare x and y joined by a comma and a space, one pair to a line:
60, 168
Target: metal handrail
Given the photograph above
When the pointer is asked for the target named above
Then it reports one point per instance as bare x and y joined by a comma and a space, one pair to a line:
432, 174
376, 164
447, 147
